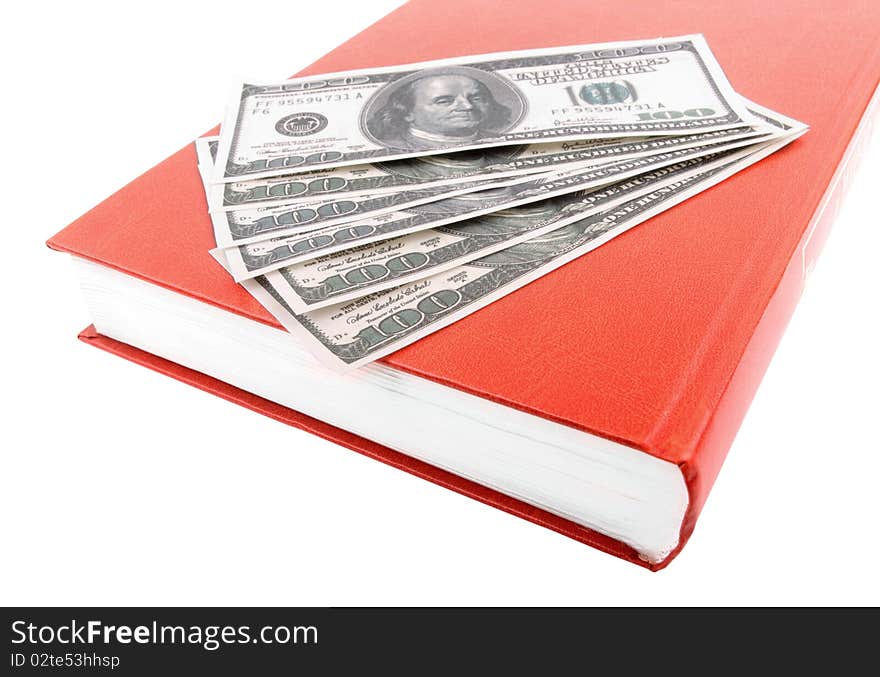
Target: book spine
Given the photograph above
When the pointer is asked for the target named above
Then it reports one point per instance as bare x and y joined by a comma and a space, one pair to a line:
717, 437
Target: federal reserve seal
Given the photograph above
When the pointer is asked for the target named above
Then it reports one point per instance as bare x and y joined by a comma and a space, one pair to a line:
301, 124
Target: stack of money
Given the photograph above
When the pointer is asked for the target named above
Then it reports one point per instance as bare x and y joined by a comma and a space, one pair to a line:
368, 209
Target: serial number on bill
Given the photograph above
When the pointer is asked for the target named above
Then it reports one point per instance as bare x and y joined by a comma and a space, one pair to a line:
267, 107
65, 660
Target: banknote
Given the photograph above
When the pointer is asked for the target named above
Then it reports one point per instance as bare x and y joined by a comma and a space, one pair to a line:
447, 169
352, 273
246, 225
355, 333
260, 257
349, 274
653, 87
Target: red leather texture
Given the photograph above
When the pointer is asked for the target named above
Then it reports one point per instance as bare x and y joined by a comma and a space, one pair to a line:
657, 339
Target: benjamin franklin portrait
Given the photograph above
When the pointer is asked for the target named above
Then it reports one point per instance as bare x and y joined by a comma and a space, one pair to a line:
442, 108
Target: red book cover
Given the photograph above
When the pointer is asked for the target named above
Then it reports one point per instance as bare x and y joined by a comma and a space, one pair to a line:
665, 346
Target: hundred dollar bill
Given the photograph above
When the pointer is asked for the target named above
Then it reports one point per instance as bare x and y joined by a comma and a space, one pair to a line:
352, 273
448, 169
247, 225
260, 257
349, 274
656, 87
356, 333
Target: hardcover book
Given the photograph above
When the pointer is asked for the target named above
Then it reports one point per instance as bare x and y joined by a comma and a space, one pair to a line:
634, 364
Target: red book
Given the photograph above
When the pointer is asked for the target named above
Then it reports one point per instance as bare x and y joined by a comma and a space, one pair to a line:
665, 349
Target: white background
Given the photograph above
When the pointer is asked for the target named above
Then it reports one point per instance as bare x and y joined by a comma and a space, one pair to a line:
122, 486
